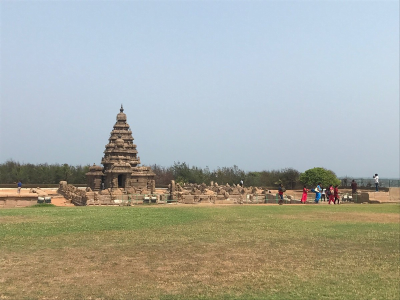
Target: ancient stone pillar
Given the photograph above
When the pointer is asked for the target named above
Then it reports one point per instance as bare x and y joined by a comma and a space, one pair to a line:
172, 186
172, 189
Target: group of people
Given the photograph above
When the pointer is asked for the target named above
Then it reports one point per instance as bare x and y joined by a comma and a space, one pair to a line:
331, 194
322, 194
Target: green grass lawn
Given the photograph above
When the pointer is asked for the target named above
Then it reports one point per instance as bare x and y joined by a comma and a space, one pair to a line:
201, 252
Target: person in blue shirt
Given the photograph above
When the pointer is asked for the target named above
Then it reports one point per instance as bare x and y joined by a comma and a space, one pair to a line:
318, 193
19, 185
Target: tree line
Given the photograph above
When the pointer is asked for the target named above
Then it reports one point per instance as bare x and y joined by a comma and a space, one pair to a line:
12, 172
183, 173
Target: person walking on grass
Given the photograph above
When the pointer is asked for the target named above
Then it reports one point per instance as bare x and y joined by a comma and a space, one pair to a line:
323, 194
331, 195
304, 196
336, 194
317, 193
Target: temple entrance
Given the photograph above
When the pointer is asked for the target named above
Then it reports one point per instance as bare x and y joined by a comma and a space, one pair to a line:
121, 181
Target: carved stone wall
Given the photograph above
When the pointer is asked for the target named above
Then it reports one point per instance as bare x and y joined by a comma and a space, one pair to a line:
77, 196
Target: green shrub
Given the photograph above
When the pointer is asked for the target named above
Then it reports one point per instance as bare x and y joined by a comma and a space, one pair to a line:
314, 176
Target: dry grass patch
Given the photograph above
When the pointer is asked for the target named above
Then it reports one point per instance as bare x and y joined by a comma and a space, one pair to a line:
263, 252
23, 219
348, 217
173, 271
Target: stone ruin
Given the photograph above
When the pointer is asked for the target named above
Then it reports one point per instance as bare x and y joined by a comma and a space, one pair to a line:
86, 196
121, 163
176, 193
8, 200
75, 195
216, 194
122, 181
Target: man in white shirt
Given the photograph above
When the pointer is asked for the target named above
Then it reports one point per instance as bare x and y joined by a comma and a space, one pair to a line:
376, 177
323, 198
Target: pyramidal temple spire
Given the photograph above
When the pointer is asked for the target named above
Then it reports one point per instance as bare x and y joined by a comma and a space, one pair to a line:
121, 161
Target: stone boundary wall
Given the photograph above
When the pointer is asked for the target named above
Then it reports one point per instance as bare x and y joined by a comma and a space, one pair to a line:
75, 195
14, 199
10, 201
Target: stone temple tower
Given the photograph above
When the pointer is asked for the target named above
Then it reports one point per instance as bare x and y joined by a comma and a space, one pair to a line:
120, 162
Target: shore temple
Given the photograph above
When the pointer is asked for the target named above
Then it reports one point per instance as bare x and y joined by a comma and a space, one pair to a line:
120, 162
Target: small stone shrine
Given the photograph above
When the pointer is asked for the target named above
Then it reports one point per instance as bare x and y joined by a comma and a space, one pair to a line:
120, 162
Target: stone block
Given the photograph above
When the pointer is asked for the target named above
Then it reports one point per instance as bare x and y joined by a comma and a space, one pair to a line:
24, 203
188, 199
225, 201
10, 203
364, 197
105, 202
204, 199
374, 202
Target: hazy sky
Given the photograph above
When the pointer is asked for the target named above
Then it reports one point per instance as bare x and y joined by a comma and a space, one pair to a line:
258, 84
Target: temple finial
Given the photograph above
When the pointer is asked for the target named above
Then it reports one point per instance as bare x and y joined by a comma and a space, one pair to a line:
121, 109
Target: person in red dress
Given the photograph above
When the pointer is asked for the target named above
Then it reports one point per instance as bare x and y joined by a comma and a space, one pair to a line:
280, 192
336, 194
304, 196
331, 195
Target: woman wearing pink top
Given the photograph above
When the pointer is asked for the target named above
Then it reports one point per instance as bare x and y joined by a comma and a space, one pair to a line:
331, 195
304, 196
336, 194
